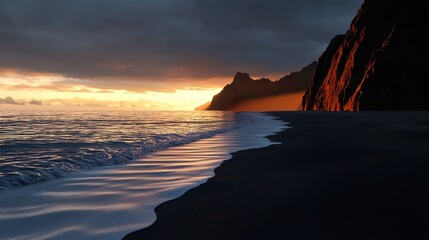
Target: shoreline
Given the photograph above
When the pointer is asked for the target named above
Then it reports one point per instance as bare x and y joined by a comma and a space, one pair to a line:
334, 176
109, 202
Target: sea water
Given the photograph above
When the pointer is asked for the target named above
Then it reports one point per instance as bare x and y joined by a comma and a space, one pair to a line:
98, 175
38, 146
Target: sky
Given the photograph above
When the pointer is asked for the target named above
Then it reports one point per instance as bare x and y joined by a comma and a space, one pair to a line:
155, 54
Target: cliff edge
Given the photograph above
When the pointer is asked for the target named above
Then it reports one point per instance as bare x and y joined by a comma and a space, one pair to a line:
381, 63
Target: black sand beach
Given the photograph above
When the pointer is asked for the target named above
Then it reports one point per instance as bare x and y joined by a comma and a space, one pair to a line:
335, 176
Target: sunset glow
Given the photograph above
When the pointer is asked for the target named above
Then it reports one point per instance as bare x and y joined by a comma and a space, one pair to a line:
152, 55
49, 90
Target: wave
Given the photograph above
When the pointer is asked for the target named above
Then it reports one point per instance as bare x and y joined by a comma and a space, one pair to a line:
46, 151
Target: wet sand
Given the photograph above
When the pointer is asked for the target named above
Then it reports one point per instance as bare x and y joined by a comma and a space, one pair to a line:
335, 176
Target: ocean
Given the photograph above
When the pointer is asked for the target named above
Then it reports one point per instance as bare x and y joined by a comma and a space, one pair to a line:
39, 146
100, 175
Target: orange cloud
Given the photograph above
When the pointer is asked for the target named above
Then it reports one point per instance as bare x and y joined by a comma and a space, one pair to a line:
56, 87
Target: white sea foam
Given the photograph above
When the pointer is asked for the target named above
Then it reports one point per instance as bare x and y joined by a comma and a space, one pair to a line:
110, 202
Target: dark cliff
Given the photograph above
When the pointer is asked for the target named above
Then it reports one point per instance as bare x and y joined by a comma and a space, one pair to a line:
381, 63
243, 87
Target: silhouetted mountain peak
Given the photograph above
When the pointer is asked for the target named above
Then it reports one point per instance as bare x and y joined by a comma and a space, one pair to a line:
241, 78
244, 87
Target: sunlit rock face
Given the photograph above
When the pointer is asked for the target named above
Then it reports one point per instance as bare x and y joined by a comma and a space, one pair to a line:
381, 63
243, 87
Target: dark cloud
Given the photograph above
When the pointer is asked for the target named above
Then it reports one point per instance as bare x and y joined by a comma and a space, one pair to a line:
165, 40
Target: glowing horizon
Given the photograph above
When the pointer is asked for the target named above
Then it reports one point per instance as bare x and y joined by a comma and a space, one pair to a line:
37, 89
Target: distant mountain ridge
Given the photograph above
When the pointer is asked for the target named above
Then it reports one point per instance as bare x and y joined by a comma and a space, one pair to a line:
243, 87
381, 63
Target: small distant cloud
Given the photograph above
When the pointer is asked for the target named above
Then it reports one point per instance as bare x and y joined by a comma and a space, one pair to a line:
198, 88
36, 102
10, 100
